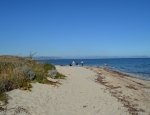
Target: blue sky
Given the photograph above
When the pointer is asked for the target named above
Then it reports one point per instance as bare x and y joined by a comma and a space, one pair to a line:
75, 28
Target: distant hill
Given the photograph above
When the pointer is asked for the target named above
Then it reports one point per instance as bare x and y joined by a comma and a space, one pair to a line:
45, 58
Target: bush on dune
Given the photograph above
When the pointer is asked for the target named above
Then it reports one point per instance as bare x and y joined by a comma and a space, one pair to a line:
17, 72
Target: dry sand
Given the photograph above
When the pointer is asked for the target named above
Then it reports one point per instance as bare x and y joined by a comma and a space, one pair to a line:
79, 94
133, 93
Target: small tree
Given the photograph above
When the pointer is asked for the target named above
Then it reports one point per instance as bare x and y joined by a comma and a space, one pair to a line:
32, 54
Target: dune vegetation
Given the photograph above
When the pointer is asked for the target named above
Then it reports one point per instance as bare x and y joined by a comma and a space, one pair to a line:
18, 72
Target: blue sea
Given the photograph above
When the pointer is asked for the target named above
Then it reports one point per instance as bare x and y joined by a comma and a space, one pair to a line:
139, 67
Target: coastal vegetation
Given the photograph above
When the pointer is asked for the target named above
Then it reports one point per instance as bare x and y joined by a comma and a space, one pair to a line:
18, 72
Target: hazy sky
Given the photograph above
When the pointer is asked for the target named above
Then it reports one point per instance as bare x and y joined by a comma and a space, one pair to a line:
75, 27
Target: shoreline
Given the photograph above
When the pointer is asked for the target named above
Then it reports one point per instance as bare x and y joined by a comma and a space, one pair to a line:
140, 77
128, 74
132, 75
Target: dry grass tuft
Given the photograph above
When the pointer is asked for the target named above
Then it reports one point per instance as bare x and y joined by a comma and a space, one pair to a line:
17, 72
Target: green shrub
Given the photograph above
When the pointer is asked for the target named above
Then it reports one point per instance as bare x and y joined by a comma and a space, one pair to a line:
39, 78
59, 76
17, 72
48, 67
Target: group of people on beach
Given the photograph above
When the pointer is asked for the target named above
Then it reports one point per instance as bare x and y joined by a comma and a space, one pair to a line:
76, 63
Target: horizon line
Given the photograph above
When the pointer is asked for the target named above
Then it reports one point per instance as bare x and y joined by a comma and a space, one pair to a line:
94, 57
78, 57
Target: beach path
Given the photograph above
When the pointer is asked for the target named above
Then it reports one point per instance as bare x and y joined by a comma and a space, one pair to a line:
78, 94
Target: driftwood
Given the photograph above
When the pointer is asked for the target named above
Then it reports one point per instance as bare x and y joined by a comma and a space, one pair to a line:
52, 80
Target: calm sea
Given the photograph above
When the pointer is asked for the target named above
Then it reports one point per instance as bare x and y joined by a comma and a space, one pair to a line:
139, 67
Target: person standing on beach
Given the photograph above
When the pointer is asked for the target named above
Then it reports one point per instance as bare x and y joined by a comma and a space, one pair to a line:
82, 63
73, 63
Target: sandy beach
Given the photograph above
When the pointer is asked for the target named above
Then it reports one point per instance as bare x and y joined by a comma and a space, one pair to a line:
85, 91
